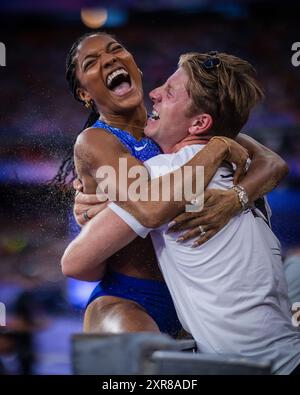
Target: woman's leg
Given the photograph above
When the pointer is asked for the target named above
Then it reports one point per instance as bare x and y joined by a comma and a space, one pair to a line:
110, 314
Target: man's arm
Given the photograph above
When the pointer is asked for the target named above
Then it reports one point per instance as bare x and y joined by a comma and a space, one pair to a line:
99, 239
97, 148
107, 232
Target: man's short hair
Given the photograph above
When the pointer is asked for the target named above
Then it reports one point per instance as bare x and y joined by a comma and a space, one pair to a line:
223, 86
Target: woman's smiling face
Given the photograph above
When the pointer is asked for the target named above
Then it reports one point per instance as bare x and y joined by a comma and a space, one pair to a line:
108, 75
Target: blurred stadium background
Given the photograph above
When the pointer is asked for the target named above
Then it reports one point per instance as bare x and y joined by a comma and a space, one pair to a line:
39, 120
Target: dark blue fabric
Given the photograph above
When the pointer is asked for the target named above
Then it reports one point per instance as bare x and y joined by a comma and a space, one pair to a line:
152, 295
142, 149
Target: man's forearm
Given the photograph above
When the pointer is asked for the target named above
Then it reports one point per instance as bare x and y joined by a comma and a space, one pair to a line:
85, 257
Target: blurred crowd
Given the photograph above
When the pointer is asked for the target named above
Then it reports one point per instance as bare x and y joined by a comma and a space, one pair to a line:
38, 108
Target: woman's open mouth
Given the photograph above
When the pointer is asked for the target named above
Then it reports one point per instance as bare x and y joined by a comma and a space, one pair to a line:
119, 82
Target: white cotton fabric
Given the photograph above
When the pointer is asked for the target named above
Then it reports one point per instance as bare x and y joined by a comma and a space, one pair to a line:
230, 293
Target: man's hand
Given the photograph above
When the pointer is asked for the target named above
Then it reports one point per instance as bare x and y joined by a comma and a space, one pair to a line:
86, 206
219, 207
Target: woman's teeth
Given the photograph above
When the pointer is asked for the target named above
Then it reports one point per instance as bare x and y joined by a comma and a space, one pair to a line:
115, 74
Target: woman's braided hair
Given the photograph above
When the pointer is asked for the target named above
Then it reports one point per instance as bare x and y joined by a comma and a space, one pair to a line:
66, 172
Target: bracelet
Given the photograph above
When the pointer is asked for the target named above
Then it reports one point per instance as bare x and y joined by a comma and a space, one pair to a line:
242, 195
224, 141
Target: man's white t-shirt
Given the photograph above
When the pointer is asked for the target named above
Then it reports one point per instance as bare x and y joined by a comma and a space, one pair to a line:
229, 293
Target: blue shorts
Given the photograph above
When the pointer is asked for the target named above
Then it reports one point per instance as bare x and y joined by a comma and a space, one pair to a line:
152, 295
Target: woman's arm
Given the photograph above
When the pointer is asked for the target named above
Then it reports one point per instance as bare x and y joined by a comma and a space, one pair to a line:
97, 148
266, 171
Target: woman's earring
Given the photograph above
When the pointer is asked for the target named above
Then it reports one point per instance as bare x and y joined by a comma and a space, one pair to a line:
87, 104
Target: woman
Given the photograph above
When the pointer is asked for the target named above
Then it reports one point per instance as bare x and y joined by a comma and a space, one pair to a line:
132, 296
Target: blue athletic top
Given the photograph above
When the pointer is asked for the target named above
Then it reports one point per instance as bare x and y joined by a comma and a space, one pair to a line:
142, 149
152, 295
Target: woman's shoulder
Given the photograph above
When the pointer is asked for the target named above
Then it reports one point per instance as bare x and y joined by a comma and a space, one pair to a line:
97, 138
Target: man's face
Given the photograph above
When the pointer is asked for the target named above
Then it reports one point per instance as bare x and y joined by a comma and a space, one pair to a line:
169, 123
108, 74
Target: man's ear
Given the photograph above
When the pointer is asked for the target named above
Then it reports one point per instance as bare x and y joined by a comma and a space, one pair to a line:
201, 124
83, 95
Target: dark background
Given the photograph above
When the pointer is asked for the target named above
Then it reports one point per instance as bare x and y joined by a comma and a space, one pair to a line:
39, 120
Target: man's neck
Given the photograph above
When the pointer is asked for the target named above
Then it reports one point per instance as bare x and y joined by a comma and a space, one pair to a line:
133, 122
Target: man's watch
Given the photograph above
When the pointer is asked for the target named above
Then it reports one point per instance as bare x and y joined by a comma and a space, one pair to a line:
242, 195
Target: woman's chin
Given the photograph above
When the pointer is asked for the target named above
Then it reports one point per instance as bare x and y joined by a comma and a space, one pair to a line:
131, 102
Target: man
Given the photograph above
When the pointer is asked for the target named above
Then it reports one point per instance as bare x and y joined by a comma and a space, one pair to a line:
230, 294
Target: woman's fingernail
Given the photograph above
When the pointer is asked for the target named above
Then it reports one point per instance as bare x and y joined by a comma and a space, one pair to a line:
195, 245
180, 239
172, 223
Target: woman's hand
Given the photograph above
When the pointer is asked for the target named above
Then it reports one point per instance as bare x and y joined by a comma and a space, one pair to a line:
86, 206
235, 154
219, 207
